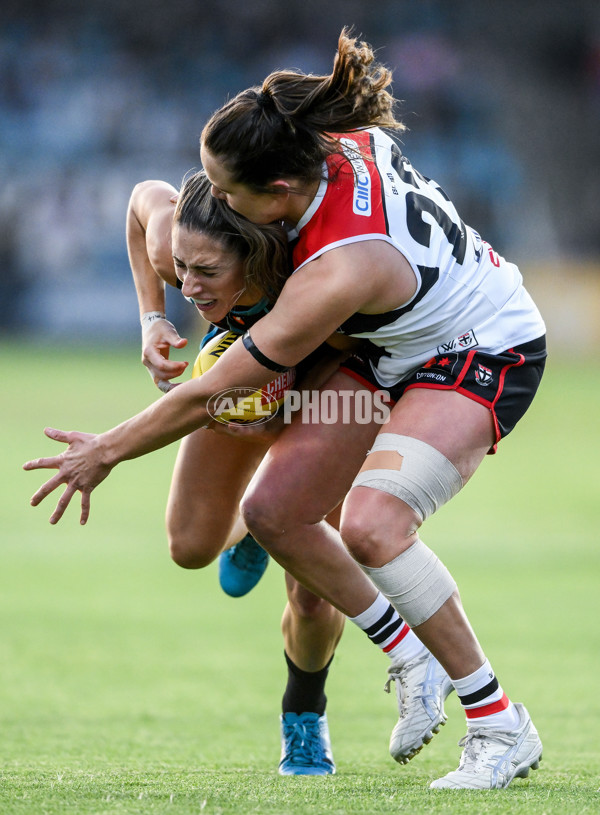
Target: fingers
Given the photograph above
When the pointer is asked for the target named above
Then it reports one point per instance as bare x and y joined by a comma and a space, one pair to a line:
63, 503
157, 343
46, 489
43, 463
166, 367
51, 462
180, 342
85, 508
57, 435
171, 338
65, 474
161, 368
163, 333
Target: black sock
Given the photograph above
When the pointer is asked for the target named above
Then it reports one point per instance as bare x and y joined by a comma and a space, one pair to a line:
305, 691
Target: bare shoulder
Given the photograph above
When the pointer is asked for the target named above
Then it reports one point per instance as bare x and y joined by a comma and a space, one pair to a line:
151, 210
151, 198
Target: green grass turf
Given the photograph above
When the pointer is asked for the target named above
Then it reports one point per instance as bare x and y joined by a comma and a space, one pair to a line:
128, 685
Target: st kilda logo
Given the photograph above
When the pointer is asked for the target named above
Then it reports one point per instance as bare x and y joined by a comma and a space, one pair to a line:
483, 375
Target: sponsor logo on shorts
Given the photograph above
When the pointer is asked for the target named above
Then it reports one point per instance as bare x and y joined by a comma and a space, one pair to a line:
431, 376
460, 343
438, 368
361, 202
483, 375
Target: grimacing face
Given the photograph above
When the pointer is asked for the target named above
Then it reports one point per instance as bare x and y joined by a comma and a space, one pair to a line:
212, 277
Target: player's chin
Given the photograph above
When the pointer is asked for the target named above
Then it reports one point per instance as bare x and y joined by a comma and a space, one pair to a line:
217, 314
213, 311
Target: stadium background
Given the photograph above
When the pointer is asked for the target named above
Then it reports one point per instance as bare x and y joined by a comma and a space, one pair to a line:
502, 101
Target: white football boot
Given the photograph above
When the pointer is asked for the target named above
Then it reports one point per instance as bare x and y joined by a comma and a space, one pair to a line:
422, 686
492, 758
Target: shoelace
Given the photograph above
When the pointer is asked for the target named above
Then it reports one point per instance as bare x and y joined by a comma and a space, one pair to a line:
247, 555
397, 675
304, 744
474, 742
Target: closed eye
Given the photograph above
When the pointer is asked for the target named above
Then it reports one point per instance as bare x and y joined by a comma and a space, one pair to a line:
205, 271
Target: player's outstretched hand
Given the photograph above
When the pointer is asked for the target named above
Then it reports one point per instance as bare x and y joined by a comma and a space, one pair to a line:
80, 467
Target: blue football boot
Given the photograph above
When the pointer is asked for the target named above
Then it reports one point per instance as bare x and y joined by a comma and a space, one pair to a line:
305, 745
242, 566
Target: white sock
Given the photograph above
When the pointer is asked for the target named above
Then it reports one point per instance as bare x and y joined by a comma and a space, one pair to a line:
484, 701
384, 626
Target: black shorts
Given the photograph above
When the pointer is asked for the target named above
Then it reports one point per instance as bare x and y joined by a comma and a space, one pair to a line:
505, 383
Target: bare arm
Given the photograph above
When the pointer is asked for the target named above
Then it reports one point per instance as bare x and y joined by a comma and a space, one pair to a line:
312, 304
148, 230
89, 458
369, 277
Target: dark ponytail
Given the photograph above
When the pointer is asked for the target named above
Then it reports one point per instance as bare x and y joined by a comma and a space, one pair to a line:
280, 130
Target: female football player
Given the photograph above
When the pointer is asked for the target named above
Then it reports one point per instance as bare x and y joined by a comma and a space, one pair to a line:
380, 253
215, 272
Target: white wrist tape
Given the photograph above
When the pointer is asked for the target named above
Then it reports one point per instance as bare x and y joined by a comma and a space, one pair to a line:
150, 317
416, 583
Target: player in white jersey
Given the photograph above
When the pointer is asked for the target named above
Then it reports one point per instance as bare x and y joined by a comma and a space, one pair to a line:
426, 281
452, 336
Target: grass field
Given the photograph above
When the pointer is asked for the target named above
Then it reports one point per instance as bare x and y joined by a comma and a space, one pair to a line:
128, 685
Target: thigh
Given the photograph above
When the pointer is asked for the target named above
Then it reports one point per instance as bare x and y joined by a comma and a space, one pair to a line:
310, 467
211, 472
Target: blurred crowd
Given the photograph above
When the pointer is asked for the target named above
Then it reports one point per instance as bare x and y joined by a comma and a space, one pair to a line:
503, 110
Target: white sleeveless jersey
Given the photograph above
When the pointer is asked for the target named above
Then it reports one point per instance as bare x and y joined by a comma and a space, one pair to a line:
467, 296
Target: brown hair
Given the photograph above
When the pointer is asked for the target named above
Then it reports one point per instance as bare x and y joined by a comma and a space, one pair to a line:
280, 130
262, 249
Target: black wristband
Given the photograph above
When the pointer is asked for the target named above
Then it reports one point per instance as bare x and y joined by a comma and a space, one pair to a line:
260, 357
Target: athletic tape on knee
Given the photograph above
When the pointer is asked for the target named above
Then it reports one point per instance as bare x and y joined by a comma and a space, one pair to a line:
425, 479
416, 583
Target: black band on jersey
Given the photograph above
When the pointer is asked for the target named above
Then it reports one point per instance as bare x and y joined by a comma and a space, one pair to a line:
260, 357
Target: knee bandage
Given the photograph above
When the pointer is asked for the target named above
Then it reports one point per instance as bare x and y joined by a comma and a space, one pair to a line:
411, 470
416, 583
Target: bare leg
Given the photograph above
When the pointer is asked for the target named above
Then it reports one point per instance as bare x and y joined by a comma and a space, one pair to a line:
377, 527
303, 477
211, 473
307, 472
311, 626
210, 476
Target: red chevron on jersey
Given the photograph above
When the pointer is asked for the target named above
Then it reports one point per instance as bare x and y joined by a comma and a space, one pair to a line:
350, 204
